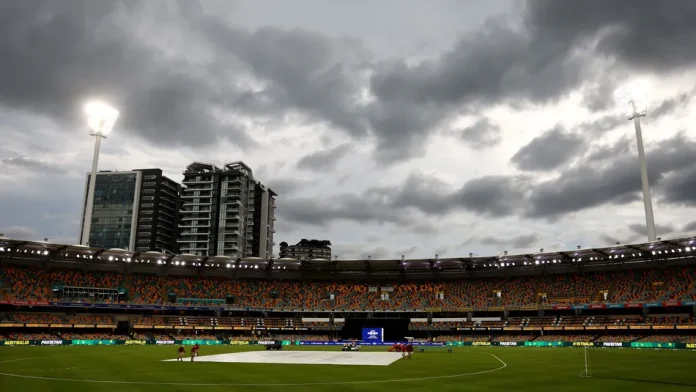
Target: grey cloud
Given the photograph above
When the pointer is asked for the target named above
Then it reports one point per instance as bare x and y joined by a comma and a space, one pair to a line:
518, 242
324, 160
599, 96
494, 196
285, 186
641, 33
349, 207
642, 230
602, 125
7, 165
586, 185
670, 105
18, 232
82, 49
690, 227
593, 184
549, 150
482, 134
610, 151
679, 188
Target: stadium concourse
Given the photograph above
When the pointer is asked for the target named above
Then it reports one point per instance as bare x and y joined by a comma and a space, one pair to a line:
627, 293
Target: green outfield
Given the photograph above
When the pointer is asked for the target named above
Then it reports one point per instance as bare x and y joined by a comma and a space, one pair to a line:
140, 368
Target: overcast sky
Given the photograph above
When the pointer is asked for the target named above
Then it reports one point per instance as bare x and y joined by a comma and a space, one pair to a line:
387, 127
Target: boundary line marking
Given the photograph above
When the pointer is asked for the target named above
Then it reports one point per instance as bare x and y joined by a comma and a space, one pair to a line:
504, 365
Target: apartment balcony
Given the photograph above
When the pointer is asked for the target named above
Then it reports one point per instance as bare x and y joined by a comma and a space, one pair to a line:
194, 181
192, 211
188, 241
195, 216
192, 250
187, 195
187, 233
168, 192
170, 185
233, 202
191, 226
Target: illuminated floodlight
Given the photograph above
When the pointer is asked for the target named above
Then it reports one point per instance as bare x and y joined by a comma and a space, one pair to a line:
100, 118
633, 99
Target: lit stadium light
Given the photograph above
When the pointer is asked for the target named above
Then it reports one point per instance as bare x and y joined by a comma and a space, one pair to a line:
633, 100
101, 119
688, 249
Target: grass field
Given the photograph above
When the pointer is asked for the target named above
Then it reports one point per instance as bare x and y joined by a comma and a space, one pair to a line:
139, 368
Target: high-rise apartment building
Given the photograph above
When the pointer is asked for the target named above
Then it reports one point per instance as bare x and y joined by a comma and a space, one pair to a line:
306, 250
225, 211
136, 210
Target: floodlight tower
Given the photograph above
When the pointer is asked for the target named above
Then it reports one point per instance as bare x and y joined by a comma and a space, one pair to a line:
100, 121
632, 98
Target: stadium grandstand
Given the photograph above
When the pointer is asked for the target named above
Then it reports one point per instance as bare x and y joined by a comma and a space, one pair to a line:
624, 293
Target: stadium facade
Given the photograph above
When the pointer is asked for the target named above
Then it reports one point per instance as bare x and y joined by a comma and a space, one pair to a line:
226, 212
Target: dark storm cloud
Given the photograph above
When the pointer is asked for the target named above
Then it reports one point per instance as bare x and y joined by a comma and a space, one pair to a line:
482, 134
493, 196
549, 150
679, 188
303, 71
82, 48
645, 34
57, 54
642, 230
324, 159
591, 183
594, 184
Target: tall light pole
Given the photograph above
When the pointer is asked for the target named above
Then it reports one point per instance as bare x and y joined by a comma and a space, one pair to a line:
100, 121
632, 98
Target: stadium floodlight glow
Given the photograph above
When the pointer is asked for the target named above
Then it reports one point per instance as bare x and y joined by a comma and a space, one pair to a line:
633, 100
101, 119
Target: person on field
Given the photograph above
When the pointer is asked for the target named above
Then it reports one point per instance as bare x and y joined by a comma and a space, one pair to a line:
182, 351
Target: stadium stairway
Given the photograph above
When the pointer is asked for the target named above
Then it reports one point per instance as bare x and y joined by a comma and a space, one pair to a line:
612, 290
128, 285
46, 284
164, 294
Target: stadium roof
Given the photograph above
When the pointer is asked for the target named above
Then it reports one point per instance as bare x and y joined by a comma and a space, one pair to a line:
633, 253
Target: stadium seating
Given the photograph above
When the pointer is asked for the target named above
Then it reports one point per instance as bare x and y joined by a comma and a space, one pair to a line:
565, 338
461, 338
26, 283
89, 319
93, 336
673, 283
